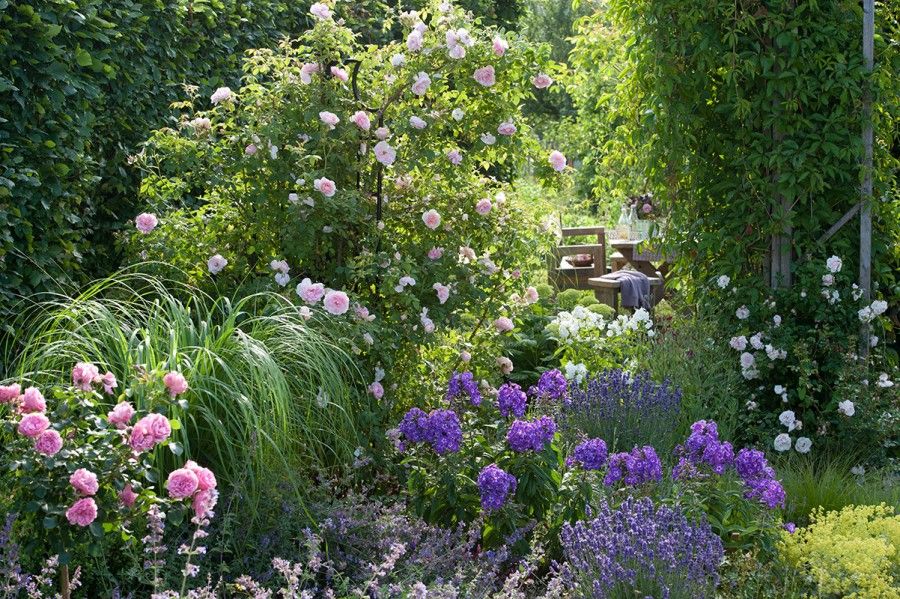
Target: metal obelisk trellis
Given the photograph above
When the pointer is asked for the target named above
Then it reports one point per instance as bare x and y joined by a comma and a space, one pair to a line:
865, 212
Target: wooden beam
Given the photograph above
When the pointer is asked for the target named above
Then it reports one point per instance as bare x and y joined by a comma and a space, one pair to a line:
840, 223
865, 215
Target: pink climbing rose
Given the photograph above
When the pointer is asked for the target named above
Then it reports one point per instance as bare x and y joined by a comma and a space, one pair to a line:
557, 161
503, 324
483, 206
384, 153
145, 222
485, 76
542, 81
222, 94
32, 425
48, 443
83, 512
204, 501
121, 415
109, 382
432, 219
506, 128
310, 292
9, 393
435, 253
336, 302
85, 374
325, 186
500, 46
84, 482
339, 73
421, 84
182, 483
320, 10
216, 264
127, 496
361, 120
148, 431
33, 400
175, 383
329, 118
205, 478
443, 292
454, 156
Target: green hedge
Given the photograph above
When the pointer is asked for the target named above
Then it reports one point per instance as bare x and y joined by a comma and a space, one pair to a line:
81, 83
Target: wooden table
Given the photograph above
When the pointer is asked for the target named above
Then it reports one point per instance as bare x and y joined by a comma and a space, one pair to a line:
642, 260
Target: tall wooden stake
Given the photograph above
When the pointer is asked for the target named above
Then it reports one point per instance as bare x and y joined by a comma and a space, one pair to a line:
865, 214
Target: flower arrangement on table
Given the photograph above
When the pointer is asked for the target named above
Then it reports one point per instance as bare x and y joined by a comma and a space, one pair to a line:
643, 206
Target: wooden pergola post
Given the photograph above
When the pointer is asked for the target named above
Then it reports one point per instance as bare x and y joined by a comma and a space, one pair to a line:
865, 212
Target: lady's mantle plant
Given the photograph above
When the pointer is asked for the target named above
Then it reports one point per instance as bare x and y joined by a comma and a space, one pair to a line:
78, 474
359, 179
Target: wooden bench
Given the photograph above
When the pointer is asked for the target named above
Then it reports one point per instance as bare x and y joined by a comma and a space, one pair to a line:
607, 290
565, 276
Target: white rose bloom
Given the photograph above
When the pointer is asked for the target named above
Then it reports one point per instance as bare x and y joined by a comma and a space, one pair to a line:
858, 471
738, 343
879, 307
788, 419
782, 442
884, 381
834, 264
847, 408
723, 281
743, 313
803, 445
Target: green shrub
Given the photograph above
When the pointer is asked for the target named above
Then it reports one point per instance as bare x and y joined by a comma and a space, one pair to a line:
267, 392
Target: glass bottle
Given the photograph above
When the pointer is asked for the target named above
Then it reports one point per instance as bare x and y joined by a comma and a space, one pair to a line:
623, 227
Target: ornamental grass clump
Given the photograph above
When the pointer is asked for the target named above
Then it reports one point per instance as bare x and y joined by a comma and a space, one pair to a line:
854, 552
624, 410
642, 550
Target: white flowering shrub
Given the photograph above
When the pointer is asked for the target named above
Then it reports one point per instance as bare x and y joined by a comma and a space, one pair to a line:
359, 181
589, 341
799, 351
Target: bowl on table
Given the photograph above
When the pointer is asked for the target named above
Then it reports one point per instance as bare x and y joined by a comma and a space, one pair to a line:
581, 260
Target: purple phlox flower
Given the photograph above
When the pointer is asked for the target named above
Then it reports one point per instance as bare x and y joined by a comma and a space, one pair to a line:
439, 428
703, 448
590, 454
551, 385
759, 478
463, 382
641, 465
511, 400
494, 485
525, 435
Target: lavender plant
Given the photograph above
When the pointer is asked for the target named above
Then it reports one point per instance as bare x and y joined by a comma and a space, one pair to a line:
640, 549
624, 410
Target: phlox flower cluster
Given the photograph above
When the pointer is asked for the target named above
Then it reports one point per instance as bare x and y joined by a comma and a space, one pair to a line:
511, 400
494, 486
551, 385
439, 428
533, 435
703, 448
639, 466
759, 478
463, 383
590, 455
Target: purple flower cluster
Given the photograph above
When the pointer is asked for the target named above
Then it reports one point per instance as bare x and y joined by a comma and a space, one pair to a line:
524, 435
636, 468
463, 383
703, 447
440, 429
495, 485
759, 478
551, 385
590, 455
511, 400
640, 550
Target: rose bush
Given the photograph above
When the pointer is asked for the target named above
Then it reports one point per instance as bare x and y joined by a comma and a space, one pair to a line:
362, 173
77, 474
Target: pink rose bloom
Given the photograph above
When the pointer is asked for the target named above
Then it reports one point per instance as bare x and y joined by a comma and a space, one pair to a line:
506, 128
109, 382
417, 123
382, 133
466, 253
306, 72
339, 73
456, 52
557, 161
159, 426
427, 323
9, 393
127, 496
500, 46
48, 443
432, 219
485, 76
377, 390
32, 425
503, 324
542, 81
443, 292
33, 401
329, 118
305, 312
310, 292
415, 41
320, 11
531, 295
421, 84
435, 253
325, 186
145, 222
483, 206
175, 383
454, 156
505, 365
465, 356
206, 480
84, 375
336, 302
384, 153
204, 501
121, 415
182, 483
646, 208
84, 482
82, 512
216, 264
250, 150
222, 94
143, 437
361, 120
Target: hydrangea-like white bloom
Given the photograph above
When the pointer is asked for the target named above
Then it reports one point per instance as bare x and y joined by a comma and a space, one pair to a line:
576, 372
